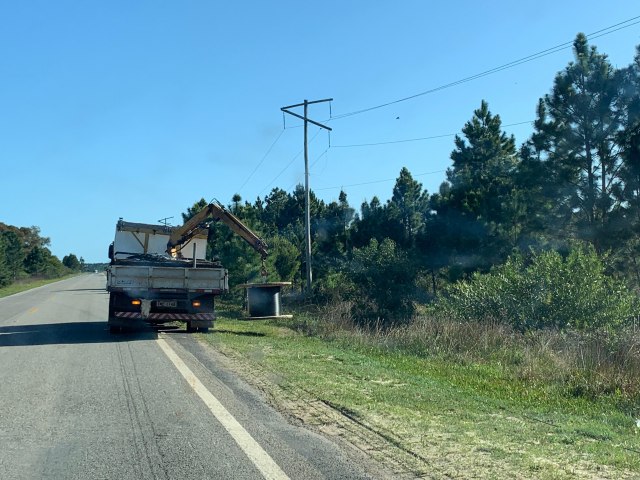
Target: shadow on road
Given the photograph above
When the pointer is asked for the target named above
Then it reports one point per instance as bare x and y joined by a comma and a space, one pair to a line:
93, 290
69, 333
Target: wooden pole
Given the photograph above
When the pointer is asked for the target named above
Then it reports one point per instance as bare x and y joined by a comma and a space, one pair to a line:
307, 201
307, 206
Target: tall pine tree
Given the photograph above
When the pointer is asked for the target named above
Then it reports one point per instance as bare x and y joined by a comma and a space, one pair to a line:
476, 206
576, 135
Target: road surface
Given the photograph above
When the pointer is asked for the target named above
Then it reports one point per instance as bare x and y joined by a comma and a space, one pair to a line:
79, 403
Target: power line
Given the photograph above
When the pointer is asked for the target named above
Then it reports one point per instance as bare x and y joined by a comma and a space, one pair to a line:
377, 181
289, 164
432, 137
396, 141
393, 142
262, 160
310, 166
319, 157
599, 33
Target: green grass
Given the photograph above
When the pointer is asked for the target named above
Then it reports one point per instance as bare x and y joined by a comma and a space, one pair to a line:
28, 285
461, 419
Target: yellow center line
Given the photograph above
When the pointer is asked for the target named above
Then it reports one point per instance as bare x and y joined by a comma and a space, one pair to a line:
33, 309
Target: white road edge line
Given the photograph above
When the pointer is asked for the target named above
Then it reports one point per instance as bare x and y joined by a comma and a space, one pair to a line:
261, 459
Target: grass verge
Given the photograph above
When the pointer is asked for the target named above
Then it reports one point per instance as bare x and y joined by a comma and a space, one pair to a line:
446, 419
28, 285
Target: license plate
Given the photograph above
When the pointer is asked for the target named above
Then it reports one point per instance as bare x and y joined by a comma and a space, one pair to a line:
167, 303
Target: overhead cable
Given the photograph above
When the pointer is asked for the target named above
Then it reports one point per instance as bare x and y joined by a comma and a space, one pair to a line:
310, 166
444, 135
377, 181
599, 33
290, 163
262, 160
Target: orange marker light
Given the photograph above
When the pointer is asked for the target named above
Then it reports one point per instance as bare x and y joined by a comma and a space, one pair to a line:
135, 302
195, 303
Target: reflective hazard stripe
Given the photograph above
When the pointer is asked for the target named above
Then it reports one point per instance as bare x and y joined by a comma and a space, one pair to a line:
168, 316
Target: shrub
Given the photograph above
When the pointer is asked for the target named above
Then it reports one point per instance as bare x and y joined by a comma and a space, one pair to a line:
549, 292
383, 279
586, 364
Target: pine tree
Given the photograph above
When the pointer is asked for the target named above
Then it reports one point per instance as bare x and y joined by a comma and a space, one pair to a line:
476, 207
408, 207
578, 142
482, 174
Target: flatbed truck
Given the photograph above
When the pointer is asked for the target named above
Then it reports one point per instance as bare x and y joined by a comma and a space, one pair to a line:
159, 274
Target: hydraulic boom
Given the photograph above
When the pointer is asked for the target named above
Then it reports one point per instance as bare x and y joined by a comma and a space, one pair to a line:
214, 212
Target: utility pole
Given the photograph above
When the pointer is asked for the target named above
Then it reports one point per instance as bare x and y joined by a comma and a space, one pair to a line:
307, 208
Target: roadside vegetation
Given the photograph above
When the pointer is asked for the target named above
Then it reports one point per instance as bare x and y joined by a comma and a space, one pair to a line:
496, 318
445, 399
26, 262
28, 285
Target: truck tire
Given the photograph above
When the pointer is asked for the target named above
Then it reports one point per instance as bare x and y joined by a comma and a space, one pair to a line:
113, 329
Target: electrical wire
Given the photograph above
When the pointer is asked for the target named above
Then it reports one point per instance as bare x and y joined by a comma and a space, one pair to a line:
432, 137
394, 142
377, 181
310, 166
289, 164
264, 157
319, 157
597, 34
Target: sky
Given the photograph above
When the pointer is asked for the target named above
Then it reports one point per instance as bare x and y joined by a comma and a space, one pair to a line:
139, 109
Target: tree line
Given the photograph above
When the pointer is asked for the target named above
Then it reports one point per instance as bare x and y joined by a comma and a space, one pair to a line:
24, 253
576, 179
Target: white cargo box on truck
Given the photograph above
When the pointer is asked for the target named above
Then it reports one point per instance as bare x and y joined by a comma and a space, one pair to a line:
141, 238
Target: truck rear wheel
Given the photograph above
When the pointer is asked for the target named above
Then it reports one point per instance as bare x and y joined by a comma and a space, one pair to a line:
191, 329
113, 330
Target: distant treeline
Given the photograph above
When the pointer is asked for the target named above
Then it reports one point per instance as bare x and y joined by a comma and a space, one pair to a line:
24, 254
576, 180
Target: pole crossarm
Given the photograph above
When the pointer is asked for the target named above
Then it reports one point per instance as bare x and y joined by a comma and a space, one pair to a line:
308, 103
306, 119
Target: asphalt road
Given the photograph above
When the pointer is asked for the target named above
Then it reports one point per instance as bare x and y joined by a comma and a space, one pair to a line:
77, 402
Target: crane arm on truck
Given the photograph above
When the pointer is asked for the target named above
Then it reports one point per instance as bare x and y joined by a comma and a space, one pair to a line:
216, 212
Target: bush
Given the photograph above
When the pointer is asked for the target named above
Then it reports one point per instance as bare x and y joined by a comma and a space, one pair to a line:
383, 278
585, 364
334, 287
549, 292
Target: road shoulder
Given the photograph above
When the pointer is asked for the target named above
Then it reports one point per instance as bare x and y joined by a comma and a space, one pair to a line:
378, 455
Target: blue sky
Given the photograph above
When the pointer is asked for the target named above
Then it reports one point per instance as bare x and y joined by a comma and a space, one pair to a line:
138, 109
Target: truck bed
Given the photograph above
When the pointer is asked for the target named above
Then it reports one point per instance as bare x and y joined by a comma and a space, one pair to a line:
135, 277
